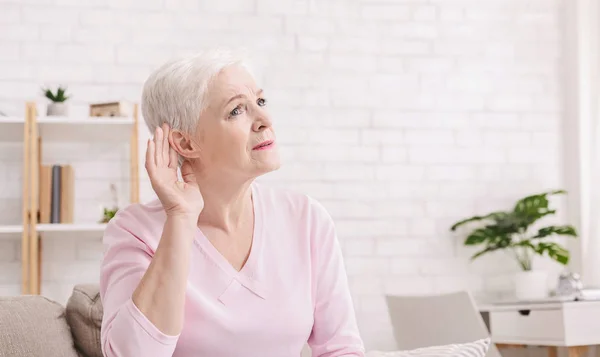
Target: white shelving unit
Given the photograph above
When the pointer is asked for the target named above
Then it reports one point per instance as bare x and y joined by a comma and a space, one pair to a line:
65, 129
31, 130
68, 230
10, 231
87, 129
11, 129
55, 230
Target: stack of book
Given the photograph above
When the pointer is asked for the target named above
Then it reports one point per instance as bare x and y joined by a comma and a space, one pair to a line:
56, 198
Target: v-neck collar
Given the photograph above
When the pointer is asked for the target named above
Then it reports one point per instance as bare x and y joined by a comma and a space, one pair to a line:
246, 276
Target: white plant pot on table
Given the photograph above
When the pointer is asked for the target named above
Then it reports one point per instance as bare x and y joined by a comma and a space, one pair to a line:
58, 109
531, 285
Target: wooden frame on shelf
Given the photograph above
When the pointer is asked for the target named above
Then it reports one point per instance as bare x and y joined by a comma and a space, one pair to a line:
34, 253
26, 200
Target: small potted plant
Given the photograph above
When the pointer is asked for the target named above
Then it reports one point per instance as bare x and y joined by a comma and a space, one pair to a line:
511, 231
57, 106
108, 213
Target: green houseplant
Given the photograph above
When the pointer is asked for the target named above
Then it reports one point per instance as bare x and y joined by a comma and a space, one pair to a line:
57, 105
511, 231
109, 212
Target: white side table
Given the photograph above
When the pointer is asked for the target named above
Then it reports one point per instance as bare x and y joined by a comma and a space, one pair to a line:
573, 324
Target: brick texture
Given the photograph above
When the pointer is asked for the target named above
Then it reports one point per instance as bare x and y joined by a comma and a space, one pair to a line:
400, 116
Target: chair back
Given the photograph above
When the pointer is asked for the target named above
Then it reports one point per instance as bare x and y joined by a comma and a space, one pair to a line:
434, 320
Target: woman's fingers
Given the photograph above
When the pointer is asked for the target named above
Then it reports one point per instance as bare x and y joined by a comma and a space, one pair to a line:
158, 140
165, 144
173, 158
163, 154
150, 157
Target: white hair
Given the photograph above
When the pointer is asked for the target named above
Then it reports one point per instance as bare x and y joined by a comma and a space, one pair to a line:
175, 93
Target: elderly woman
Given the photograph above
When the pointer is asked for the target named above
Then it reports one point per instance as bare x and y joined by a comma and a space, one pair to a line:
220, 265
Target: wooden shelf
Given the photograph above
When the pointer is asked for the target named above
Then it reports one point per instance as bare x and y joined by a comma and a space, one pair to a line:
85, 129
11, 129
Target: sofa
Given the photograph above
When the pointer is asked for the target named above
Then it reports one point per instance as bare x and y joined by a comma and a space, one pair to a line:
32, 325
35, 326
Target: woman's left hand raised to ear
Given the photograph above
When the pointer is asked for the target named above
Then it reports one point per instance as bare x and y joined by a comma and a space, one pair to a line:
179, 198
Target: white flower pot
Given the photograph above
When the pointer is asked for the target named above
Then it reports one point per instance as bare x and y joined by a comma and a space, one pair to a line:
531, 285
58, 109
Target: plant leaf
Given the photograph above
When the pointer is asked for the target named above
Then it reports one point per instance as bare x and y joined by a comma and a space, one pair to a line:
485, 251
554, 251
478, 236
481, 252
494, 216
49, 94
567, 230
61, 94
524, 243
534, 207
492, 234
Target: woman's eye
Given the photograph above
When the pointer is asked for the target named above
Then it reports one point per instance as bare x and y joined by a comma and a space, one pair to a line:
236, 111
261, 102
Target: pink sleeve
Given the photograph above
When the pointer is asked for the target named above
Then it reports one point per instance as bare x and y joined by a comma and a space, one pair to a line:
335, 332
125, 330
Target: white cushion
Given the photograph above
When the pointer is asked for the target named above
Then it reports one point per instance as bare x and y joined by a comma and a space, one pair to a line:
477, 348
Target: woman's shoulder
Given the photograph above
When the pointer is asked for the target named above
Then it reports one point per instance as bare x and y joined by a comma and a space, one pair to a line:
140, 221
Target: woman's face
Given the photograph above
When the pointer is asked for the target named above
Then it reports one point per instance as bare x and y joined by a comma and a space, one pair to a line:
235, 134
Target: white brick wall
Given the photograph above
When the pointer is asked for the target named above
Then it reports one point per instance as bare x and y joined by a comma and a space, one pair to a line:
400, 116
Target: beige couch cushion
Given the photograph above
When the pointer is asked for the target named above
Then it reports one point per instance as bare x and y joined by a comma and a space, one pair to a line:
33, 326
84, 314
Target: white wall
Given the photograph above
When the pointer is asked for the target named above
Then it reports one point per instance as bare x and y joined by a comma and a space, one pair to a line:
401, 116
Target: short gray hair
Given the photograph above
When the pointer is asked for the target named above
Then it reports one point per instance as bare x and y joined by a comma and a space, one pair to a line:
175, 92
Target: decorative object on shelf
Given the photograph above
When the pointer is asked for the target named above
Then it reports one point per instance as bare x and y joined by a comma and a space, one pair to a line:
111, 109
58, 105
510, 231
109, 212
569, 284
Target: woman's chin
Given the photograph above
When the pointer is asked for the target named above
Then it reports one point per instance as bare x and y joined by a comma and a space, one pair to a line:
271, 165
267, 165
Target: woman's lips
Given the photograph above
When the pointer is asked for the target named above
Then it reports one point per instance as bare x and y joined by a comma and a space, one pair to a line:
265, 145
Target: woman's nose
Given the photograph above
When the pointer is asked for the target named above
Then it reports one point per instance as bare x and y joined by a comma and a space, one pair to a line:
262, 121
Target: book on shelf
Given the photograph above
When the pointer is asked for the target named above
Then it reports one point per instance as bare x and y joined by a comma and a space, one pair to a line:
56, 194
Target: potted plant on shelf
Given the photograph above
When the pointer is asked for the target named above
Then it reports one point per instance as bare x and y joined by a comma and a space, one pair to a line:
57, 107
109, 212
511, 231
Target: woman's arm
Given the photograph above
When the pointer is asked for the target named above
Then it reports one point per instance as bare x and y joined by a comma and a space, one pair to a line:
143, 295
160, 295
335, 332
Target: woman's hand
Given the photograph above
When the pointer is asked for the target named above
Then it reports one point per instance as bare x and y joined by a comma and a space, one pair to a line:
178, 198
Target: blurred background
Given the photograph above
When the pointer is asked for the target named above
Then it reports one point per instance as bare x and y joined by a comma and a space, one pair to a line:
401, 116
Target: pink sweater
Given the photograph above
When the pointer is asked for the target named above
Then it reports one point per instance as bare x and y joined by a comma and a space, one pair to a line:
292, 290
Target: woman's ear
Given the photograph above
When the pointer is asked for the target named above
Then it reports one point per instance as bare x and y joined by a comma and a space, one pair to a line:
184, 145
